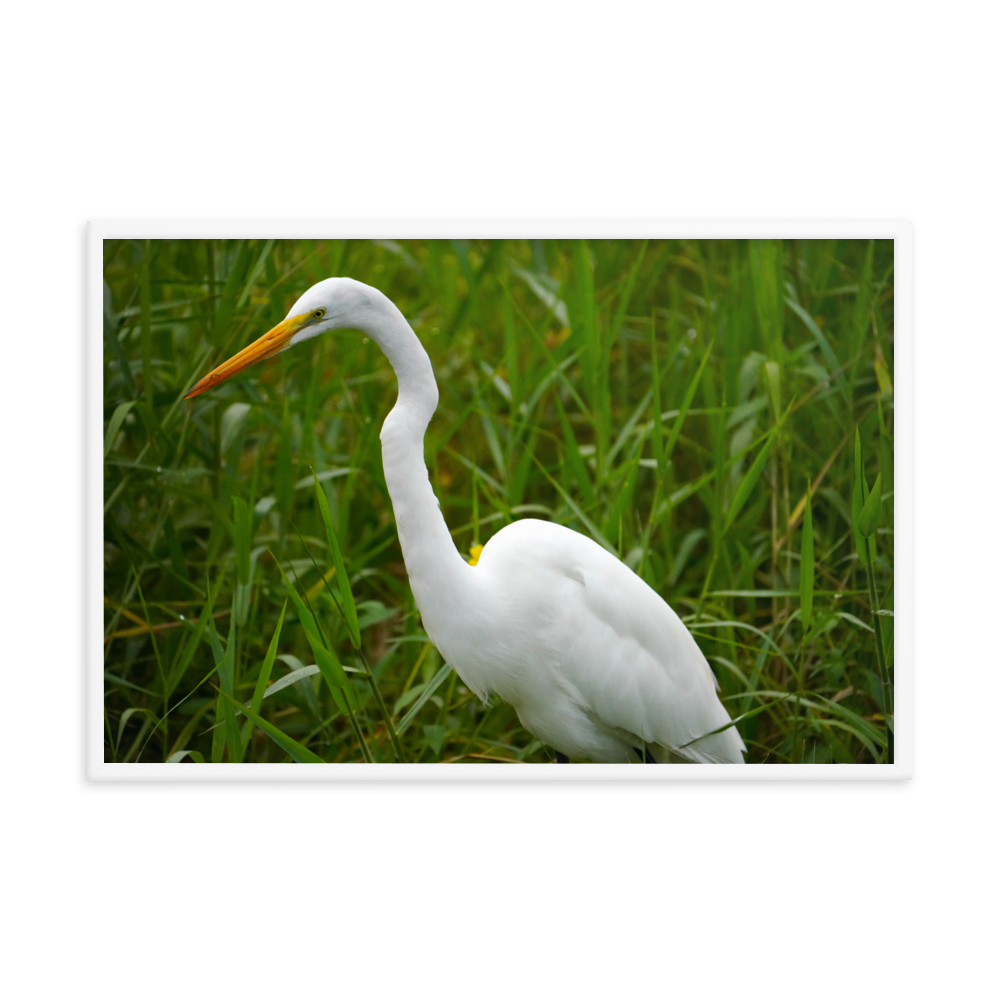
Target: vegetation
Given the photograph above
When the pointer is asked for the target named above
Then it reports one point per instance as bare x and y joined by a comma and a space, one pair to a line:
720, 413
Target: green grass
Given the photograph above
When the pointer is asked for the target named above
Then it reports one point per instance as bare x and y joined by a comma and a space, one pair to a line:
675, 400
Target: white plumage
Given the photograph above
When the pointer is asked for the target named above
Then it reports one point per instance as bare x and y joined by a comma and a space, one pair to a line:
595, 662
593, 659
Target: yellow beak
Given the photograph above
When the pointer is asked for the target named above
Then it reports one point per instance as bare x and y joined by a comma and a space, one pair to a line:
273, 341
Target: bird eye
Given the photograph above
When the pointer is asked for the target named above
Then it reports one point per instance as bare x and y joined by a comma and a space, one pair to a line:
318, 313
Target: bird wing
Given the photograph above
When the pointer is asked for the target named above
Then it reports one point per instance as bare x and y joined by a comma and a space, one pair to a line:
640, 669
620, 650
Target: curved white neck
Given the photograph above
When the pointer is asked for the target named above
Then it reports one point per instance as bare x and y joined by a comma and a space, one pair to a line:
439, 576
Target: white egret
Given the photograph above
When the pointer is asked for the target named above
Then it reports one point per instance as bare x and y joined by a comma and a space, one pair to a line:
596, 664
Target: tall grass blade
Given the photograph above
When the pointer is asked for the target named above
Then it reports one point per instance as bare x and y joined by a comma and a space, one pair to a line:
872, 510
439, 678
146, 325
283, 470
629, 429
115, 424
626, 295
227, 669
747, 484
767, 271
261, 687
594, 359
675, 430
294, 749
241, 537
858, 498
806, 565
227, 301
613, 522
347, 597
123, 722
577, 465
327, 661
254, 273
654, 355
733, 722
832, 363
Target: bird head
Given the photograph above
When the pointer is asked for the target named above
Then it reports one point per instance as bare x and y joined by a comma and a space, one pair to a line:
329, 305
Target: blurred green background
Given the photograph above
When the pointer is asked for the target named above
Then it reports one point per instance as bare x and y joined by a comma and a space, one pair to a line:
673, 399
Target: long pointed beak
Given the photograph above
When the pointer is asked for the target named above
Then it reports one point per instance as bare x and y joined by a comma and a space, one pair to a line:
273, 341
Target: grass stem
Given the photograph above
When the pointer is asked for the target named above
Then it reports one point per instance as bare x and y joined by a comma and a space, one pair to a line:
887, 698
